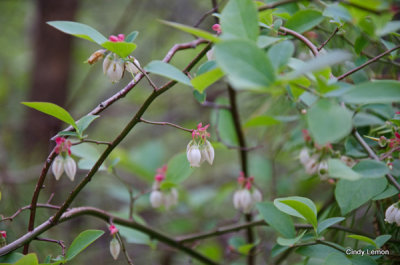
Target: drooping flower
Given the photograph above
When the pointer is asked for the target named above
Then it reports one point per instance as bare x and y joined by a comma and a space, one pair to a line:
392, 214
246, 197
115, 248
159, 196
113, 67
193, 155
3, 237
132, 67
64, 161
199, 148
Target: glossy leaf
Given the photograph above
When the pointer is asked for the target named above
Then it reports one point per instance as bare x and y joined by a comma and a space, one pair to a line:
280, 53
178, 168
82, 241
290, 241
131, 36
371, 168
246, 65
364, 238
381, 240
278, 220
304, 20
123, 49
305, 211
262, 120
79, 30
168, 71
29, 259
195, 31
335, 259
380, 91
239, 20
338, 169
328, 121
85, 121
352, 194
328, 223
290, 210
201, 82
52, 110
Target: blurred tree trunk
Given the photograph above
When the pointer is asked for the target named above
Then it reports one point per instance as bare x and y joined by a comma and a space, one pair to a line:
50, 70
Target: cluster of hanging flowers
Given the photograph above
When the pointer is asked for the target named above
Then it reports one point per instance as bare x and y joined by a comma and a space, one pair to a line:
392, 214
247, 195
3, 237
63, 161
113, 65
314, 157
115, 247
166, 197
199, 148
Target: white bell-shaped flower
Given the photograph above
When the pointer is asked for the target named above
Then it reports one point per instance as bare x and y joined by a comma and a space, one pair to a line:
304, 156
113, 67
323, 169
207, 153
193, 155
131, 67
243, 200
70, 167
156, 199
58, 167
257, 196
392, 214
115, 248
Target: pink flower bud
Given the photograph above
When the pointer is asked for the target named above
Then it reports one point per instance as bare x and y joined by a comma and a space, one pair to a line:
113, 229
121, 37
70, 167
217, 28
115, 248
3, 234
113, 38
58, 167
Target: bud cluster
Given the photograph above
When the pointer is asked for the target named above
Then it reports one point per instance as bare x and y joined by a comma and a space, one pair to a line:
392, 214
314, 157
247, 195
199, 148
3, 236
113, 65
162, 197
63, 161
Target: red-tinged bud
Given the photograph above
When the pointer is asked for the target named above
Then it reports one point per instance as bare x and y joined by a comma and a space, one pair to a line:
115, 248
113, 230
3, 234
217, 28
306, 135
303, 111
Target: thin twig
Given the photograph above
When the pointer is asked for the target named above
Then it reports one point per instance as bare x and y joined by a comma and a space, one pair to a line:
204, 16
91, 141
367, 63
59, 242
20, 210
124, 250
166, 124
146, 75
372, 154
306, 41
330, 37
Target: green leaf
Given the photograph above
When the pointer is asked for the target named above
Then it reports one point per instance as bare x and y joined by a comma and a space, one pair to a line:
200, 97
68, 133
338, 169
132, 36
262, 120
352, 194
239, 20
280, 53
278, 220
223, 120
195, 31
327, 223
290, 210
29, 259
11, 257
304, 20
85, 121
290, 241
246, 65
306, 212
318, 63
364, 238
362, 260
335, 259
380, 91
371, 168
82, 241
178, 168
387, 193
121, 48
337, 12
265, 41
381, 240
168, 71
52, 110
328, 121
317, 251
390, 27
79, 30
201, 82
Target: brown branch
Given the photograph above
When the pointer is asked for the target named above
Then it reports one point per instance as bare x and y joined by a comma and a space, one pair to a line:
59, 242
372, 154
126, 254
91, 141
306, 41
330, 37
20, 210
166, 124
367, 63
100, 108
275, 4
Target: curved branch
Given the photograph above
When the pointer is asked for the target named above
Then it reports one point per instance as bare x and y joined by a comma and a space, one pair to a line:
80, 211
306, 41
166, 124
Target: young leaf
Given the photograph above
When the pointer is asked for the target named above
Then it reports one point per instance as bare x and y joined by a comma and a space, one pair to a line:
30, 259
381, 240
201, 82
239, 20
290, 210
246, 65
306, 212
364, 238
195, 31
327, 223
79, 30
82, 241
168, 71
290, 241
304, 20
371, 168
52, 110
338, 169
280, 53
123, 49
178, 168
278, 220
262, 120
380, 91
132, 36
328, 122
85, 121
